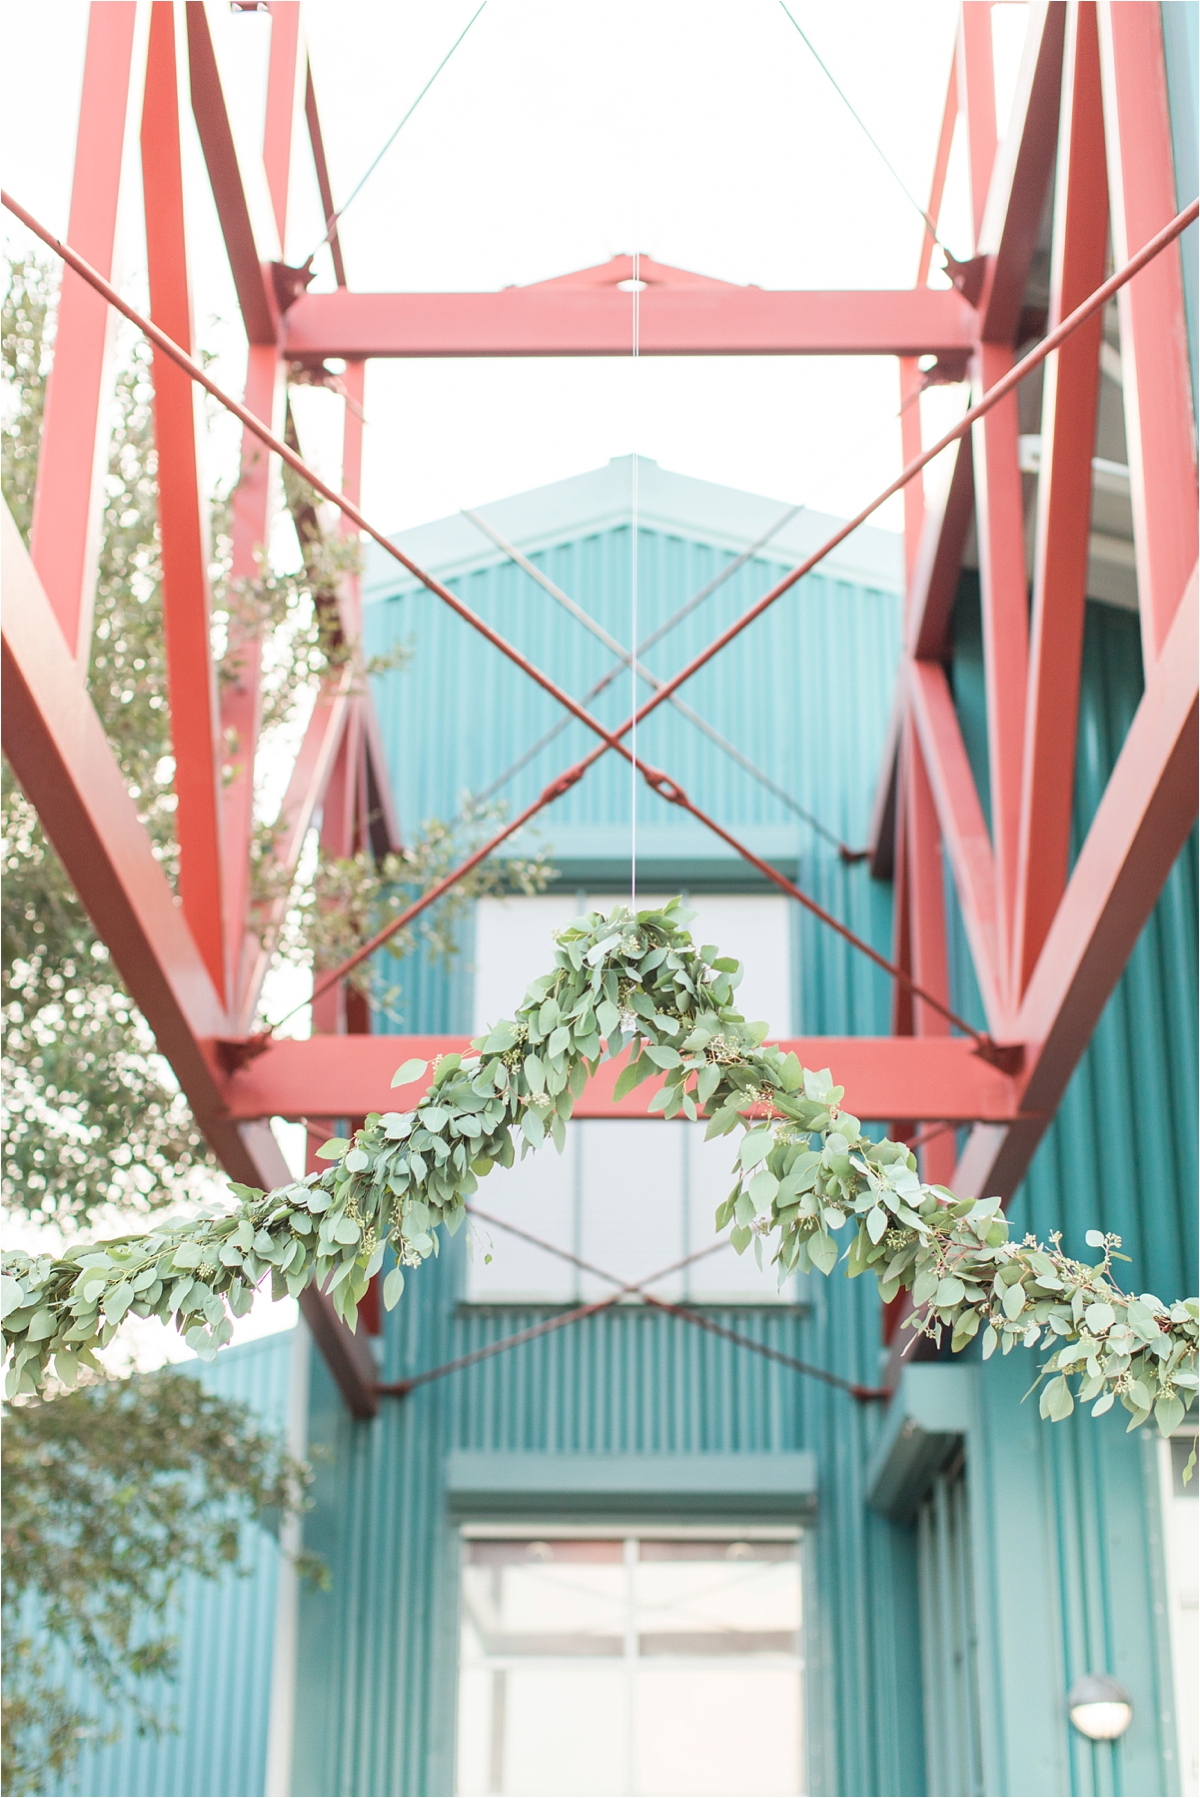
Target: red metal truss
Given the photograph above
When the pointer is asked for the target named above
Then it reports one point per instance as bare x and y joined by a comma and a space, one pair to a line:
1048, 942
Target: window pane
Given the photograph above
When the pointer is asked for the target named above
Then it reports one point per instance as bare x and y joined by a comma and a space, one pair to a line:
566, 1731
589, 1666
732, 1598
701, 1732
631, 1221
538, 1196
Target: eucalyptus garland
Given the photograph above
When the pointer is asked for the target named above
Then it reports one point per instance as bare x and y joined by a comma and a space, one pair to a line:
806, 1180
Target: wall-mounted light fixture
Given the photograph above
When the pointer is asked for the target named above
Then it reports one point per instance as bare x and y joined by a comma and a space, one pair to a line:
1099, 1707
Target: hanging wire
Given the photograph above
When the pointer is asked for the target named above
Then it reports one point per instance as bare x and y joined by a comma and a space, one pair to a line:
635, 295
859, 121
331, 223
654, 681
656, 636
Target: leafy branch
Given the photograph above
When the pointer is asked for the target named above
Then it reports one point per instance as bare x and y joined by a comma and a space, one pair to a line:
805, 1170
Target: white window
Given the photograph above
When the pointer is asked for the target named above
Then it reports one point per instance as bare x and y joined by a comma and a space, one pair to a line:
514, 944
628, 1664
630, 1196
1183, 1578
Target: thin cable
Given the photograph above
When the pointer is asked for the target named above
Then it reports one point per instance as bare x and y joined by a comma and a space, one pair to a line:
676, 618
654, 681
401, 1388
608, 740
606, 679
332, 221
873, 141
633, 573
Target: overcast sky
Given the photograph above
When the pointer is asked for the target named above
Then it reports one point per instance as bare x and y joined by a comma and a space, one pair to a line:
700, 132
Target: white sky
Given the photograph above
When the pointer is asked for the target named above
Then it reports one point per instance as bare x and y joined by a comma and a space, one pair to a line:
562, 132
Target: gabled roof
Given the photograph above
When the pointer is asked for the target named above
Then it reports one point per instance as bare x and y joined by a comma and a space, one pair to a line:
600, 500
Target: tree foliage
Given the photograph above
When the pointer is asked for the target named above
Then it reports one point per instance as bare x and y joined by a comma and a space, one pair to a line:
93, 1113
805, 1170
111, 1494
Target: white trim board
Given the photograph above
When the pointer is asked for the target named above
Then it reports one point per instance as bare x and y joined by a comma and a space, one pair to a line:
677, 504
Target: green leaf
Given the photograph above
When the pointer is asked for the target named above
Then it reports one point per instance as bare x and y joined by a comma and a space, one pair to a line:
877, 1223
1057, 1401
1169, 1413
823, 1252
756, 1146
11, 1295
356, 1161
346, 1230
1098, 1318
188, 1254
393, 1286
1014, 1301
762, 1188
408, 1071
664, 1057
950, 1291
925, 1285
533, 1129
607, 1017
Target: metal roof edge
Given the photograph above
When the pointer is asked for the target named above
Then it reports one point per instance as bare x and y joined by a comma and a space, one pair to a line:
600, 500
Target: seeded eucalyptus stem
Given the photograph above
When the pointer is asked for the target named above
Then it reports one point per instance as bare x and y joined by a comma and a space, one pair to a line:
804, 1172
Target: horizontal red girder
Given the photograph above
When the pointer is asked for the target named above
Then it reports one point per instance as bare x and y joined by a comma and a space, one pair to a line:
550, 320
884, 1077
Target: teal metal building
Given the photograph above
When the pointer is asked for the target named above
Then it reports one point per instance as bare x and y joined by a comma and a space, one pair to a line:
921, 1581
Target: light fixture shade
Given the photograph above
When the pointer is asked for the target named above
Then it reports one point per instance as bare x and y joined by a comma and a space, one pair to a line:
1099, 1707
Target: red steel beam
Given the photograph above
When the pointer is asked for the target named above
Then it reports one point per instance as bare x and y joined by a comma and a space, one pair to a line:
71, 460
1069, 399
1000, 525
286, 69
711, 320
59, 753
253, 498
927, 928
941, 163
1139, 829
1140, 826
1021, 174
964, 832
306, 787
251, 274
316, 139
885, 1077
977, 103
182, 511
1154, 353
56, 746
939, 557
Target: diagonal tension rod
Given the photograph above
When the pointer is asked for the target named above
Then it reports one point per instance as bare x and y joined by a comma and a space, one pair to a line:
624, 1289
660, 782
612, 740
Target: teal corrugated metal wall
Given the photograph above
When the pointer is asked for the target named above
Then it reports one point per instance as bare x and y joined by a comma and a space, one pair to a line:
377, 1654
218, 1705
804, 693
1079, 1502
375, 1701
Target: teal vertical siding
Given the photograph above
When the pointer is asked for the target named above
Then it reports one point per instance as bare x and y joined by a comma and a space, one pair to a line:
1077, 1504
806, 693
217, 1707
375, 1703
